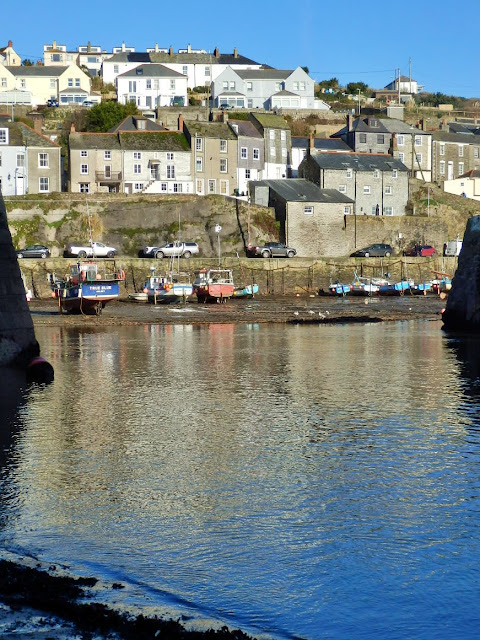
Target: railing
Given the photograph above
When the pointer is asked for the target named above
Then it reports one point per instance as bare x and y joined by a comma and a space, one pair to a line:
112, 176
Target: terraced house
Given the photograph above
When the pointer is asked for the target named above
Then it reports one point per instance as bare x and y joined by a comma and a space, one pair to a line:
130, 162
454, 154
29, 162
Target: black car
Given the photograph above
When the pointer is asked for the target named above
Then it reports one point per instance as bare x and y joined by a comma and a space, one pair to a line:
33, 251
373, 251
52, 102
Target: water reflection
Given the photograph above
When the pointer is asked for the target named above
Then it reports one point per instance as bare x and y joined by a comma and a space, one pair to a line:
279, 478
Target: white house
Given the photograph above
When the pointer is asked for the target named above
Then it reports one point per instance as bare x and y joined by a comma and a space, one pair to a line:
467, 185
407, 85
264, 89
152, 85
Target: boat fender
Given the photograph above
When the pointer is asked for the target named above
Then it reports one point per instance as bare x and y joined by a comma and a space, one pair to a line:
83, 276
39, 370
121, 274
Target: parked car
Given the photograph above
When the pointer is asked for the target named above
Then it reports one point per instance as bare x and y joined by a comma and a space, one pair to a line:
33, 251
420, 250
87, 103
182, 249
452, 248
52, 102
271, 250
373, 251
93, 250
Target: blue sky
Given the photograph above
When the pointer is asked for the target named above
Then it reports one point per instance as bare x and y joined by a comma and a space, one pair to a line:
345, 39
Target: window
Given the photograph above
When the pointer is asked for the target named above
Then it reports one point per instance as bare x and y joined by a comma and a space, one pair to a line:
3, 136
137, 155
172, 84
185, 70
52, 83
70, 82
4, 82
163, 186
419, 158
115, 68
249, 86
461, 166
442, 149
346, 211
380, 138
376, 173
272, 134
349, 173
156, 84
442, 167
77, 82
132, 86
272, 151
308, 210
283, 135
460, 151
295, 86
388, 190
225, 85
84, 187
247, 174
224, 187
256, 154
169, 155
107, 155
199, 164
23, 84
231, 85
198, 144
199, 186
418, 141
389, 211
223, 146
401, 156
223, 165
171, 171
342, 188
400, 140
244, 153
20, 159
84, 169
177, 187
302, 86
211, 186
207, 71
138, 186
83, 154
278, 86
394, 173
284, 153
362, 137
374, 210
149, 84
43, 160
43, 184
137, 168
367, 190
0, 159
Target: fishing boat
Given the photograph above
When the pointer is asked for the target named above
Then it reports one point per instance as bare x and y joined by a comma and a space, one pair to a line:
396, 288
421, 288
174, 286
213, 285
362, 286
248, 291
87, 287
339, 289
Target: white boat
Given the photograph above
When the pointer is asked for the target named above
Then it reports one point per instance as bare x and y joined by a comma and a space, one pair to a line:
171, 287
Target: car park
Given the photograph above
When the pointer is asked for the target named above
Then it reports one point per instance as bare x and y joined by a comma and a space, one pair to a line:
378, 250
423, 250
33, 251
182, 249
271, 250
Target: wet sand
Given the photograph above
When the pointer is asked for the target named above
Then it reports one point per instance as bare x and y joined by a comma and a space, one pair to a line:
303, 309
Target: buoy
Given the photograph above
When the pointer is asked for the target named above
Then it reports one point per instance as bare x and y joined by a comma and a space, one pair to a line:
39, 370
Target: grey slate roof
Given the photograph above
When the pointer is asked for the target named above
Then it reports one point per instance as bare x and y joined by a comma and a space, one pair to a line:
246, 128
181, 58
20, 136
210, 129
358, 161
384, 125
473, 173
152, 70
129, 56
37, 71
264, 74
445, 136
128, 124
325, 144
95, 141
301, 190
458, 127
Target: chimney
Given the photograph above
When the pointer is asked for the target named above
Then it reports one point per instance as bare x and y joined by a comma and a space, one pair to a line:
10, 44
393, 150
189, 48
224, 116
311, 144
38, 120
156, 47
72, 128
123, 46
170, 53
235, 53
54, 45
89, 46
349, 122
180, 122
216, 52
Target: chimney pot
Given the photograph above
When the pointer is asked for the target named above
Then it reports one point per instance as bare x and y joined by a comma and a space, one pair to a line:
171, 51
311, 144
235, 53
180, 122
216, 52
189, 48
72, 128
10, 43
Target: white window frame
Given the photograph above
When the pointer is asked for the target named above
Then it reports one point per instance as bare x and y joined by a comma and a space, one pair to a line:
198, 144
400, 140
442, 148
170, 172
44, 184
418, 141
388, 190
137, 169
199, 164
84, 169
308, 210
367, 190
342, 188
244, 153
349, 173
223, 165
137, 155
170, 155
84, 187
460, 151
43, 160
389, 211
84, 154
461, 168
256, 153
441, 168
223, 146
107, 155
394, 174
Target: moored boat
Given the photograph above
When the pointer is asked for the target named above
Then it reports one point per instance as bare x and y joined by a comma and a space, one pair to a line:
170, 288
339, 288
213, 285
87, 287
248, 291
395, 288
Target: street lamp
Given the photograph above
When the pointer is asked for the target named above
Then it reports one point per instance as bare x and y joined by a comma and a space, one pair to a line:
218, 228
428, 200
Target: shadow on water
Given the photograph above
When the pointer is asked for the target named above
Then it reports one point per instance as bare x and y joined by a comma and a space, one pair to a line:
466, 349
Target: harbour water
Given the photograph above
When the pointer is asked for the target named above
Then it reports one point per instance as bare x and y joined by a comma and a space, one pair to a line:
317, 482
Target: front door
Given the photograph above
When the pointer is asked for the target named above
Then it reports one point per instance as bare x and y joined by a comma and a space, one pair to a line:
108, 171
450, 170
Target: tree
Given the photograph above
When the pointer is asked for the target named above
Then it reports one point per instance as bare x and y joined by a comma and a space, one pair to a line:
329, 84
27, 63
102, 117
354, 87
306, 70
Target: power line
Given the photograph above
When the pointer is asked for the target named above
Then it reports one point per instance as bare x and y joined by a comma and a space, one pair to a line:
344, 72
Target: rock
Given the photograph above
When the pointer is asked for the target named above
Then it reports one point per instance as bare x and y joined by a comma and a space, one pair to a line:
462, 311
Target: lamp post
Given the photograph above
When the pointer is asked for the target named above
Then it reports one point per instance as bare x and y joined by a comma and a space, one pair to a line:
218, 228
428, 201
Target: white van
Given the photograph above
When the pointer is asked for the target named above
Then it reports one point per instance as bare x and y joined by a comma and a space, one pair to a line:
452, 248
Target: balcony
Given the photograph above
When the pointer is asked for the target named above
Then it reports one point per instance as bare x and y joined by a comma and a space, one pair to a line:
108, 176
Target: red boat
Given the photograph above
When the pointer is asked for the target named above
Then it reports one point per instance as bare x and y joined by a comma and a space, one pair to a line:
213, 285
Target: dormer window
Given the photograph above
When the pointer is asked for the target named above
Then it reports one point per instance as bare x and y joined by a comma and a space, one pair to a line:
3, 136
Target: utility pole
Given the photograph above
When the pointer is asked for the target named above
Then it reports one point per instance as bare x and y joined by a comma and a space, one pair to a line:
399, 86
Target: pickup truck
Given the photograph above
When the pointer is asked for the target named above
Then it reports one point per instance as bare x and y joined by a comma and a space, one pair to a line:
271, 250
93, 250
182, 249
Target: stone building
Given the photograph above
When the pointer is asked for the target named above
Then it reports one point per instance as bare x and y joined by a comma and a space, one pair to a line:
377, 183
277, 142
251, 154
312, 220
453, 154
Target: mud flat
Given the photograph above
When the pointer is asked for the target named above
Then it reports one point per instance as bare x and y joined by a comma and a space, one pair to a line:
278, 309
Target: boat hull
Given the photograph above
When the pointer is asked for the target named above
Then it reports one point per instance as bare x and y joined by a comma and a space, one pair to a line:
248, 291
87, 297
170, 294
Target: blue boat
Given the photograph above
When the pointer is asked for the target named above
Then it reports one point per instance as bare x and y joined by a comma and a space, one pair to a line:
396, 288
339, 289
248, 291
87, 287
